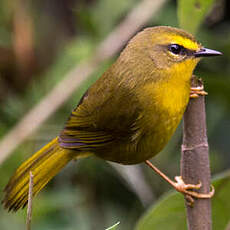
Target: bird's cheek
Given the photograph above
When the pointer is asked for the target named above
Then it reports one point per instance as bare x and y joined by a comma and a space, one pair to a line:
162, 62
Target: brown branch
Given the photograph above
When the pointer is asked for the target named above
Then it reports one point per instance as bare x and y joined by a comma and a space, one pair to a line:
136, 19
30, 199
195, 161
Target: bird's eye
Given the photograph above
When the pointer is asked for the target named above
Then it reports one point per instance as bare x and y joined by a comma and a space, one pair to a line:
176, 49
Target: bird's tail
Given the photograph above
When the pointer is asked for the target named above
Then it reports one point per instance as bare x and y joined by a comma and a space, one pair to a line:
44, 165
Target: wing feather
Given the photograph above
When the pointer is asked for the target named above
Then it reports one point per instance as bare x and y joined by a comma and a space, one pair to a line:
103, 116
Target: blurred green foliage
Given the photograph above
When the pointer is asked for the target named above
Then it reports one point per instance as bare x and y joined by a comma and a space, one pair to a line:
169, 212
191, 13
90, 194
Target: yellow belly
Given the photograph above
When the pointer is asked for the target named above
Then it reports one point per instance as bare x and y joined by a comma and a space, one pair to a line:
162, 108
161, 116
155, 126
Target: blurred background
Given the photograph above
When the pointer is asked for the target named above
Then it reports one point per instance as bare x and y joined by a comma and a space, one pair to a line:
40, 43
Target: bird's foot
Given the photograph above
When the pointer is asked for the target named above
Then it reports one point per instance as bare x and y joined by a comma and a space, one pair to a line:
180, 186
184, 188
195, 92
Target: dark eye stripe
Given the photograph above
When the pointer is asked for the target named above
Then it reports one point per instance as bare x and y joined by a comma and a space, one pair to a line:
190, 52
180, 50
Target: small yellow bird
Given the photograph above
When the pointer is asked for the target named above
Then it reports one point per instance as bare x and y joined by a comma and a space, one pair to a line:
127, 116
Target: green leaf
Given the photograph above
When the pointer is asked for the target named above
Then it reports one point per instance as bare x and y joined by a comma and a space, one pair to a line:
169, 211
191, 13
168, 214
220, 202
113, 227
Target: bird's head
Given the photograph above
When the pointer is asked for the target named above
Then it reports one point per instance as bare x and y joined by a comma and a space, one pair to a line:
167, 50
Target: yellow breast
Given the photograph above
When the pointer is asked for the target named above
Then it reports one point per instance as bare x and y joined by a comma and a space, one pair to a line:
164, 103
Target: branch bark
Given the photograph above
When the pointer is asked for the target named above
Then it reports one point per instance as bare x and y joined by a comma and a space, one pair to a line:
195, 165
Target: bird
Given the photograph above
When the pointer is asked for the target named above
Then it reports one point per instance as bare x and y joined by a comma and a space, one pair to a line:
127, 116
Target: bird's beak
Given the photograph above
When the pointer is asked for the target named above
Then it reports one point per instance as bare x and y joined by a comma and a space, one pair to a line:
204, 52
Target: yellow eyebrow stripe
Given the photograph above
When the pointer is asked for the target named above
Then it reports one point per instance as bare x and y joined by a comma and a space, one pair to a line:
185, 42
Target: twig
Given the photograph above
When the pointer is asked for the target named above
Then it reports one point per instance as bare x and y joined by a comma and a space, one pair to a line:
30, 199
195, 161
136, 19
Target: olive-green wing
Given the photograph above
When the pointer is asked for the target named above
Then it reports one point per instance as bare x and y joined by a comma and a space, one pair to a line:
99, 120
79, 132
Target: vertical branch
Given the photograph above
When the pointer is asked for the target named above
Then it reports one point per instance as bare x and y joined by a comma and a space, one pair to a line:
195, 161
30, 198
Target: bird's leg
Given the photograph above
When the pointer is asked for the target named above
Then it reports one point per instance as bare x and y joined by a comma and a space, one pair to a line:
180, 185
195, 92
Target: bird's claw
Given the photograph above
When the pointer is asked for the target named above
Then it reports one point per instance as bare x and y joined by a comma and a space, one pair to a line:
180, 186
195, 92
